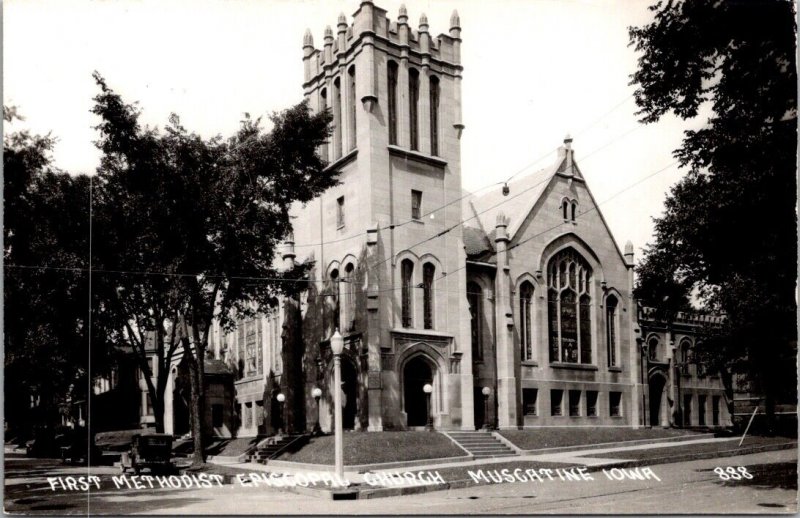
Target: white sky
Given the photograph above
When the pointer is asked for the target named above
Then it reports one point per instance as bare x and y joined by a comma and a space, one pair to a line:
534, 71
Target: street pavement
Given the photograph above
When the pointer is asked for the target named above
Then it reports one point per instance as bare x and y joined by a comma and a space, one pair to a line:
684, 487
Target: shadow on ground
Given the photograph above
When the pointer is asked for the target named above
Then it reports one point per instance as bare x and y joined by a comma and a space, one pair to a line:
781, 475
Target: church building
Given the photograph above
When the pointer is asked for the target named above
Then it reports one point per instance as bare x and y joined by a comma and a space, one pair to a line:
515, 305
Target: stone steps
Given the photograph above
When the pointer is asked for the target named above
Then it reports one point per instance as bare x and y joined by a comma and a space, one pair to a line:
268, 451
481, 444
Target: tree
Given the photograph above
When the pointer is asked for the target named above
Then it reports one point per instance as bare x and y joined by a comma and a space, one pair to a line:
46, 283
729, 228
201, 219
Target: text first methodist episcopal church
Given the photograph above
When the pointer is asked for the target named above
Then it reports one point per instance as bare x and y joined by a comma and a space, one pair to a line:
521, 290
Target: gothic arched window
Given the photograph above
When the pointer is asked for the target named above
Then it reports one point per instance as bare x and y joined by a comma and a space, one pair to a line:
392, 101
407, 272
574, 209
653, 346
427, 294
569, 280
413, 101
474, 299
434, 106
611, 330
526, 320
686, 345
565, 209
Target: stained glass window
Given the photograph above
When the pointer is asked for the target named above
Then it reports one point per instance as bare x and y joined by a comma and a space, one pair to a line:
569, 296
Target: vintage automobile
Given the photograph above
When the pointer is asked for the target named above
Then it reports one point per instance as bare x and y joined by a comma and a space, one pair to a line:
151, 451
74, 447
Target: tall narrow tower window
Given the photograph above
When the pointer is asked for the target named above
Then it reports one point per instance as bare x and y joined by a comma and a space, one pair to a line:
392, 102
337, 119
413, 102
427, 294
434, 115
407, 272
526, 320
323, 107
351, 110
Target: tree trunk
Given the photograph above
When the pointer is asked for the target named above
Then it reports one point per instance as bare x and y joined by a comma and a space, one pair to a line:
196, 379
158, 412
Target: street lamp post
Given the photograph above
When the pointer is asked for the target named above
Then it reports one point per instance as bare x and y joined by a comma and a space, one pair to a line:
427, 389
317, 393
281, 398
486, 423
337, 346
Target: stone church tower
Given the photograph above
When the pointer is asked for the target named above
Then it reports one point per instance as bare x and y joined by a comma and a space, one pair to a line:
387, 242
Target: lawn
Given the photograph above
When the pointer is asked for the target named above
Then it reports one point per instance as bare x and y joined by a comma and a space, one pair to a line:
714, 447
539, 438
372, 447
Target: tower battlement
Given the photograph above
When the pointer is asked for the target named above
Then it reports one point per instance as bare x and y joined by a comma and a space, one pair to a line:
370, 26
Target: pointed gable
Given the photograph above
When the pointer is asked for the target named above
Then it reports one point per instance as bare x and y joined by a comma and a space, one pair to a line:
480, 211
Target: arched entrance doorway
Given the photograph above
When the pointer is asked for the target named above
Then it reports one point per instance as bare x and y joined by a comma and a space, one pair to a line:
658, 399
416, 373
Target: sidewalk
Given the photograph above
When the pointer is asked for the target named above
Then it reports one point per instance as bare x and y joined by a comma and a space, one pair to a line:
582, 457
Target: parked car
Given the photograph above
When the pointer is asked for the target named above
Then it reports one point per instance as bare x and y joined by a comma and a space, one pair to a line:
151, 451
74, 446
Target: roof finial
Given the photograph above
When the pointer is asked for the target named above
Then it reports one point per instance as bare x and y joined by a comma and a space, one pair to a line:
328, 32
568, 141
403, 13
455, 21
308, 39
423, 20
342, 19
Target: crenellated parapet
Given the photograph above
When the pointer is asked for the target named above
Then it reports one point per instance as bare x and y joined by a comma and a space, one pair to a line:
371, 26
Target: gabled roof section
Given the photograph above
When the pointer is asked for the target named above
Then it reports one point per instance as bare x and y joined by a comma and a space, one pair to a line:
481, 211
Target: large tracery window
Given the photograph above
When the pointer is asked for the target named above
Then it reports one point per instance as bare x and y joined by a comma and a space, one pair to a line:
526, 320
569, 280
250, 359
